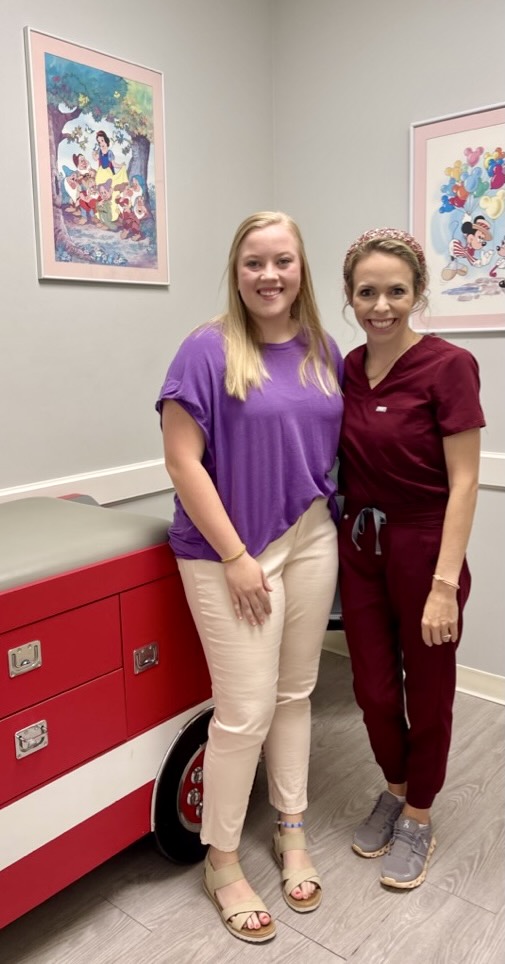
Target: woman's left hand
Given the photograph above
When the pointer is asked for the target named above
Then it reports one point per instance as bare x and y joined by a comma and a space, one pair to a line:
249, 589
440, 617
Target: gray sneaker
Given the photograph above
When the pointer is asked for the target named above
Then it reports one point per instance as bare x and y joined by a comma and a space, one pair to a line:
372, 837
406, 863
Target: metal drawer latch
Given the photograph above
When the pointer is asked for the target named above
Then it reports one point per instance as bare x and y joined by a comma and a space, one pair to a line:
22, 659
31, 739
145, 658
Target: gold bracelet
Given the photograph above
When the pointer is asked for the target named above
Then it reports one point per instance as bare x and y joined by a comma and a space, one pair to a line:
237, 555
454, 585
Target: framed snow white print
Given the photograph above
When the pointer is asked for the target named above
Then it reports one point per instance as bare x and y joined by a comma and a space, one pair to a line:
98, 157
457, 211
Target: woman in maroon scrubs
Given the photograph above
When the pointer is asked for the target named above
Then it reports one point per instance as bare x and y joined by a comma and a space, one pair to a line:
409, 455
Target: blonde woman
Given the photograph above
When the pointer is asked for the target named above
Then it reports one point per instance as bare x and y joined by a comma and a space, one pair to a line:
251, 412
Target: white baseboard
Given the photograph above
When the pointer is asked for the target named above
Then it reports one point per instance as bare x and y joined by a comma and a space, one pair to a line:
477, 683
334, 642
487, 686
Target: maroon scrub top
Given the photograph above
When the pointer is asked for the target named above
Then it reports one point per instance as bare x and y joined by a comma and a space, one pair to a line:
391, 444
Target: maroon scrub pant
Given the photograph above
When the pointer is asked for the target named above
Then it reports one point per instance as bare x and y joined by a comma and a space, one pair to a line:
404, 687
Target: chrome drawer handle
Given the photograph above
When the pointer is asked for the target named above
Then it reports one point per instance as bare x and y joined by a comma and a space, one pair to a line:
145, 658
22, 659
31, 739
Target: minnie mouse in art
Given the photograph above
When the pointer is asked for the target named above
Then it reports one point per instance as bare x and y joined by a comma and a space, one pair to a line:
498, 269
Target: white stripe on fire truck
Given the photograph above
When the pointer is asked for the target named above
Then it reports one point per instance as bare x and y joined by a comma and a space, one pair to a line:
43, 814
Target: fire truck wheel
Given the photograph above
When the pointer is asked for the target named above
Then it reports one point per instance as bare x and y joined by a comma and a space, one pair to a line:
179, 795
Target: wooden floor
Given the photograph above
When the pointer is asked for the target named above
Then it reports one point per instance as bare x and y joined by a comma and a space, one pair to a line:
140, 909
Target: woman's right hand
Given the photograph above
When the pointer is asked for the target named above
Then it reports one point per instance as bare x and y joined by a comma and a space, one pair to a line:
249, 589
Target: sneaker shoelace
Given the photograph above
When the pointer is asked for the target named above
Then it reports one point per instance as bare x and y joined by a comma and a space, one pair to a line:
403, 840
379, 815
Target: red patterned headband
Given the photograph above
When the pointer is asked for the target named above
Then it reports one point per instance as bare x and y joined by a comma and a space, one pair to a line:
395, 234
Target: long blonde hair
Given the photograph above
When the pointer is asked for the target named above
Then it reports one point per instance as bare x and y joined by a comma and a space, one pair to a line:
245, 368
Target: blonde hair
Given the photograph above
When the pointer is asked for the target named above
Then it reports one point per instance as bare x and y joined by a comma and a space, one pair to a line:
245, 368
389, 241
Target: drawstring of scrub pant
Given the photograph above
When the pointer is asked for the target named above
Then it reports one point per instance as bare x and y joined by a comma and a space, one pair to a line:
379, 519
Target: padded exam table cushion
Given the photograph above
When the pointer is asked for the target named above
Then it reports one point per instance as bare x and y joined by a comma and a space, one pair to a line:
44, 536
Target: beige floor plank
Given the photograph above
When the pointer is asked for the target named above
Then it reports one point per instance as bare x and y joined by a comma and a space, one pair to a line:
93, 931
428, 926
208, 942
152, 890
489, 942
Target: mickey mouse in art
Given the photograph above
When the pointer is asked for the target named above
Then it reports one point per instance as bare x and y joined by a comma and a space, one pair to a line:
477, 233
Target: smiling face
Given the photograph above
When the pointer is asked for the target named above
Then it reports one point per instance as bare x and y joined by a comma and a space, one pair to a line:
383, 297
269, 275
139, 207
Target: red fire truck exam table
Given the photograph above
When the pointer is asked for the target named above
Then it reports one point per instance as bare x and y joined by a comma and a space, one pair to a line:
104, 696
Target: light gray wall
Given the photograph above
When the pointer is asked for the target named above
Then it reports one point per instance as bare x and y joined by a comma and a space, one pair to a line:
349, 79
81, 364
482, 643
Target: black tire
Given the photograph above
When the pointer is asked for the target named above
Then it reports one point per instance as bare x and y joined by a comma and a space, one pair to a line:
177, 822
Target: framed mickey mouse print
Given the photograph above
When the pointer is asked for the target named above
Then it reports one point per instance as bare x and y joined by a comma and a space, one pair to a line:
457, 212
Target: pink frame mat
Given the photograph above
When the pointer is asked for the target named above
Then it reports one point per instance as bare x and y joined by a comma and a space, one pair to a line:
98, 161
457, 212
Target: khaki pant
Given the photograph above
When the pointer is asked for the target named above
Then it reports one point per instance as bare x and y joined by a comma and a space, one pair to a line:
262, 676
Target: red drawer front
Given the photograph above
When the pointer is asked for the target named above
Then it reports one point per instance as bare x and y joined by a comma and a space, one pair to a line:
76, 646
158, 613
68, 590
80, 724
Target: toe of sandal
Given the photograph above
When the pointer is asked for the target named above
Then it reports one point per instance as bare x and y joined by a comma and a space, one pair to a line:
235, 916
295, 878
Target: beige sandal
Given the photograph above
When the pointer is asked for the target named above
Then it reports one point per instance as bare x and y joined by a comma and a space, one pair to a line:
295, 878
236, 915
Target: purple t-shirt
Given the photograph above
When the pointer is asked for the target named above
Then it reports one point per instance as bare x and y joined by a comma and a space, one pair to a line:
270, 456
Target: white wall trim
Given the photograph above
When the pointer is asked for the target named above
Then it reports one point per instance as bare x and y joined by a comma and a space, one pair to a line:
475, 682
123, 482
492, 470
106, 485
